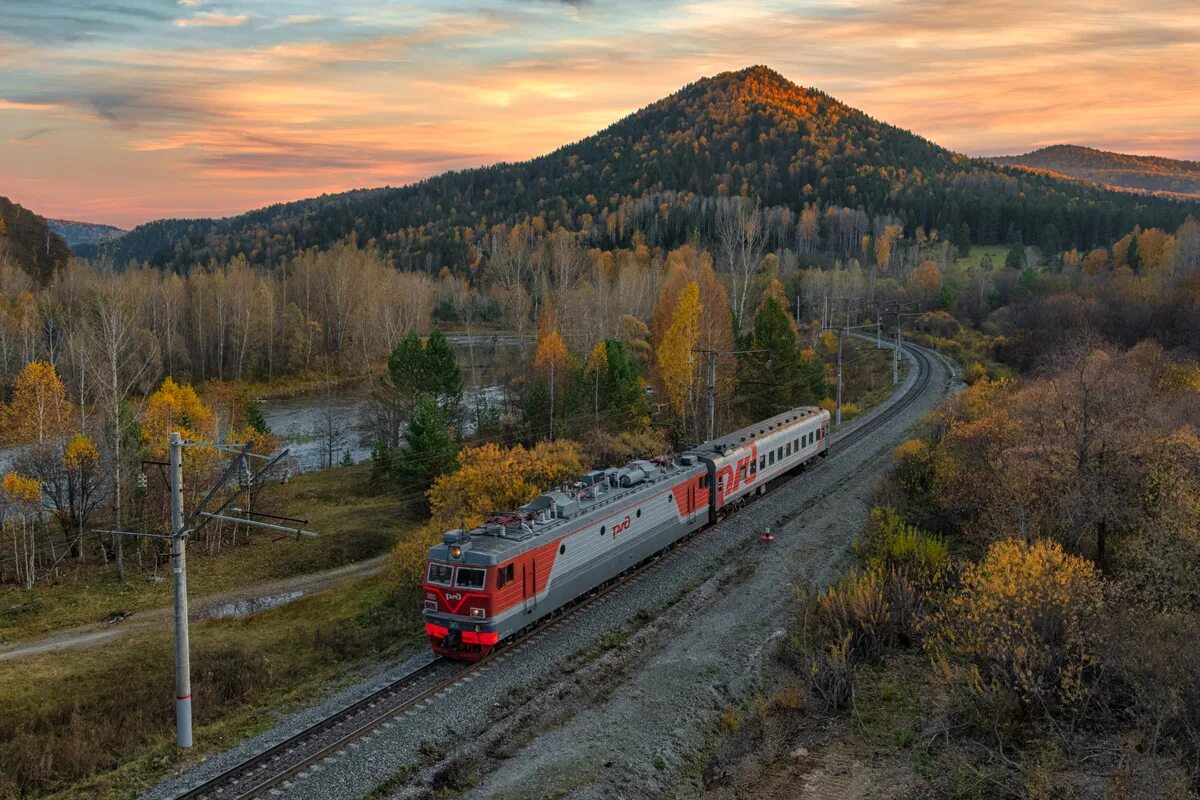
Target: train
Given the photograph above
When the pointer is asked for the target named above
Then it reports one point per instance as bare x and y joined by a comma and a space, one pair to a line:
485, 585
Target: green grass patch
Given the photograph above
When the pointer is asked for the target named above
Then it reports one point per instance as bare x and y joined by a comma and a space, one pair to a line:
98, 723
888, 709
353, 525
998, 253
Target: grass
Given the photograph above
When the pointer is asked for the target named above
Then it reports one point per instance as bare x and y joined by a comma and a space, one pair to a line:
353, 526
998, 252
98, 723
888, 709
867, 375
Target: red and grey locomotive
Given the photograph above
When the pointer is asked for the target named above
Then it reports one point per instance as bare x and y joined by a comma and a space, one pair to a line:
486, 584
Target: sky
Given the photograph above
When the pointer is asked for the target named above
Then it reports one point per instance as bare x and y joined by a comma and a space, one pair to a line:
122, 111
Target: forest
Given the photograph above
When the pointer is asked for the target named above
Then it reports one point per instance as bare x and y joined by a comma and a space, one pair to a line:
663, 173
1026, 578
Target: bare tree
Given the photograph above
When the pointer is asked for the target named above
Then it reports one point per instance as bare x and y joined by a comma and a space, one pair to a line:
124, 360
741, 241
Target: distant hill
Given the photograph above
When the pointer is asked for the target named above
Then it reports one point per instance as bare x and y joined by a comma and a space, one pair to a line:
658, 172
84, 233
1118, 170
27, 241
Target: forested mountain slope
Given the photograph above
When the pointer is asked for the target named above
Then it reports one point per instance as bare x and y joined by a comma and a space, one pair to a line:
77, 234
27, 241
659, 170
1119, 170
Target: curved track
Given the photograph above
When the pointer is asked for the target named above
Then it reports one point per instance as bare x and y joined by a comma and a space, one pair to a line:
299, 752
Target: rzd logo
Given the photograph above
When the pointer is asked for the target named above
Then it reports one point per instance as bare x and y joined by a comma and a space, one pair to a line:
451, 597
621, 527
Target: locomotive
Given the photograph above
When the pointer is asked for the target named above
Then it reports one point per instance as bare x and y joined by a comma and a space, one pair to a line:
486, 584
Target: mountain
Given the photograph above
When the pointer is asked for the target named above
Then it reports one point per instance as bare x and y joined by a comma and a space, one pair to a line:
658, 173
27, 241
84, 233
1151, 174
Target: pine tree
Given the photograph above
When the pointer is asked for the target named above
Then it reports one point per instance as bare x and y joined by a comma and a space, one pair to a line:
429, 448
443, 377
777, 376
1131, 256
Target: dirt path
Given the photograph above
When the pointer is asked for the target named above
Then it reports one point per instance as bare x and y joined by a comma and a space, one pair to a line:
235, 602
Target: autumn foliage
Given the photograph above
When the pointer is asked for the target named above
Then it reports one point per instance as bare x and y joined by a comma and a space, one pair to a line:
1024, 620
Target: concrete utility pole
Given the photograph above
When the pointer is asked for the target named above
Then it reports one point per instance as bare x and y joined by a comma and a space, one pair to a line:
712, 394
838, 421
182, 529
878, 331
183, 667
896, 354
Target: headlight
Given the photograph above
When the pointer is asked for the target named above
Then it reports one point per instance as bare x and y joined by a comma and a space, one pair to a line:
477, 612
456, 552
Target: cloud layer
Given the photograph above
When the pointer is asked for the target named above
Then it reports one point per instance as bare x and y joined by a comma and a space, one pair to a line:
128, 110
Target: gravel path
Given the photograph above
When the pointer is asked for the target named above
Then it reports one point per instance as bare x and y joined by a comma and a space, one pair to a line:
613, 701
235, 602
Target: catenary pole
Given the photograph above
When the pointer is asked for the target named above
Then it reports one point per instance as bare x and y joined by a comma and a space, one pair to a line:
712, 394
839, 380
896, 353
183, 670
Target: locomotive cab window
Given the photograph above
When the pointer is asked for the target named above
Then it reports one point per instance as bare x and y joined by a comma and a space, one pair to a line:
504, 575
753, 467
470, 578
440, 574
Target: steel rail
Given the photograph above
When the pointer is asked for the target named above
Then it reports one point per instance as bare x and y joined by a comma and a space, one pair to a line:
300, 751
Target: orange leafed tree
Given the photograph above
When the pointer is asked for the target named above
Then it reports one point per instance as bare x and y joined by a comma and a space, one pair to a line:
39, 409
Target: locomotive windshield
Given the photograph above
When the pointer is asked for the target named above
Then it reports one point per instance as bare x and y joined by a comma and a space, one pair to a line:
470, 578
440, 574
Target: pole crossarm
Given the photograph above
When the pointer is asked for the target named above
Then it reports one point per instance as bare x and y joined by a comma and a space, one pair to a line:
255, 523
268, 516
218, 484
253, 480
228, 447
135, 533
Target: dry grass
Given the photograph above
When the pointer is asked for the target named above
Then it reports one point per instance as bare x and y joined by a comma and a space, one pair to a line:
353, 525
98, 723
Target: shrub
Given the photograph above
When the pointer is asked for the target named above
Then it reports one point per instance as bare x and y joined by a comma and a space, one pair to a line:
1156, 679
974, 373
1022, 622
857, 619
890, 542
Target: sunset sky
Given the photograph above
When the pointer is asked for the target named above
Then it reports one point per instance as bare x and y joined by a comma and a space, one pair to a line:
121, 111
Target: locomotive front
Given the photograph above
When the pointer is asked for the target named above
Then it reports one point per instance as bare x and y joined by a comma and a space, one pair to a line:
459, 599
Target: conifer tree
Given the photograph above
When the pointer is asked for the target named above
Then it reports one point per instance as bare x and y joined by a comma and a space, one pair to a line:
429, 448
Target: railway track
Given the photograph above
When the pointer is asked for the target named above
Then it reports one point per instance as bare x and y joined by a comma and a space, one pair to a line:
305, 750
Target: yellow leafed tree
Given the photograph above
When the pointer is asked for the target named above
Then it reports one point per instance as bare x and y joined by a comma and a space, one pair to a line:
551, 356
489, 478
597, 363
39, 409
676, 361
176, 407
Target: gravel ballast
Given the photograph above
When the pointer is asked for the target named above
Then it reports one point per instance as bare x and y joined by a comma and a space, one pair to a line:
615, 699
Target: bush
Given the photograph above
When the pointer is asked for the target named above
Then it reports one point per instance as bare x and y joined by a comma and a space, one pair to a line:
974, 372
1157, 679
1024, 622
857, 619
890, 542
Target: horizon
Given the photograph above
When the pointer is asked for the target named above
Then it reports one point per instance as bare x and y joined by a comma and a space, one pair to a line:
149, 109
